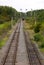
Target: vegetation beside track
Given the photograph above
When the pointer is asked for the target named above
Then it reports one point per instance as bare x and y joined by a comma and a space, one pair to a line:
5, 32
34, 25
8, 18
35, 37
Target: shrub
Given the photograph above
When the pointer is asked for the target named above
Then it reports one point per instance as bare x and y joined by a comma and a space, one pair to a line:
37, 28
42, 44
37, 37
5, 27
32, 27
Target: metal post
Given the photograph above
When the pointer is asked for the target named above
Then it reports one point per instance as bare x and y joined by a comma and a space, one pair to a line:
20, 13
12, 22
31, 12
15, 14
25, 13
31, 16
35, 18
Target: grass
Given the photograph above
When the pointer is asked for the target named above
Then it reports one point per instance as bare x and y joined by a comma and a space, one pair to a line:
1, 26
31, 32
27, 28
3, 41
5, 28
42, 50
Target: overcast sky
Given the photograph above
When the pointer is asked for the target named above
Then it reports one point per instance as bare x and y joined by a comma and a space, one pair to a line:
24, 4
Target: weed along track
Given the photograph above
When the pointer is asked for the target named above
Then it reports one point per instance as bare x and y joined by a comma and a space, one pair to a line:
33, 53
10, 55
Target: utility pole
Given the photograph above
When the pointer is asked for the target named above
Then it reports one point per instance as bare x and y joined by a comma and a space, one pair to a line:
15, 14
20, 13
25, 13
35, 17
31, 16
31, 12
26, 10
12, 22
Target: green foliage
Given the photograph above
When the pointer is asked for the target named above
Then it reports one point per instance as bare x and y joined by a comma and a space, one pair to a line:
6, 13
37, 37
5, 27
32, 26
37, 28
42, 44
2, 42
39, 15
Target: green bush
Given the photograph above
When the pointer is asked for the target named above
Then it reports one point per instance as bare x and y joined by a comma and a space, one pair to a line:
37, 37
37, 28
5, 27
32, 27
14, 22
42, 43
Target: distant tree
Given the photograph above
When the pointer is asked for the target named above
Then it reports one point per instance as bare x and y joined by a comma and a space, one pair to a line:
6, 13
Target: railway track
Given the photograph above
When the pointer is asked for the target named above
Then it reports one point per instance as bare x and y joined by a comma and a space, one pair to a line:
16, 53
10, 55
22, 56
33, 53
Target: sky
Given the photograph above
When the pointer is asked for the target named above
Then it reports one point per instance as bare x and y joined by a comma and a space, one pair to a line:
23, 4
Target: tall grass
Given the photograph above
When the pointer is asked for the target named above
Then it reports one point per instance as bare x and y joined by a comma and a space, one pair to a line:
5, 27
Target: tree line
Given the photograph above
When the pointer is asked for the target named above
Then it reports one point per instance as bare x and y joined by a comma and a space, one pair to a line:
36, 14
6, 13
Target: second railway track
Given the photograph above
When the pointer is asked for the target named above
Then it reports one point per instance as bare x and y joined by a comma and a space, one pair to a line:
33, 53
10, 55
